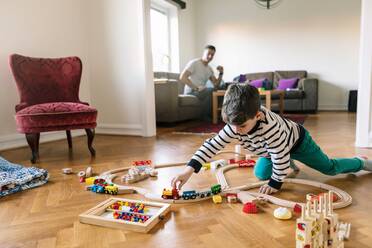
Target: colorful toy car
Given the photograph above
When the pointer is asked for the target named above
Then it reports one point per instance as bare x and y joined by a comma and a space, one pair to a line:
170, 194
99, 181
111, 189
97, 189
205, 194
216, 189
191, 194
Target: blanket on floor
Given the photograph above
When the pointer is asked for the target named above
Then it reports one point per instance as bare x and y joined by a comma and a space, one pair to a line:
15, 177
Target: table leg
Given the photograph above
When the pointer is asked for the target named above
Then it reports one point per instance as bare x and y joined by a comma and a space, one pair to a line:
281, 103
268, 100
214, 108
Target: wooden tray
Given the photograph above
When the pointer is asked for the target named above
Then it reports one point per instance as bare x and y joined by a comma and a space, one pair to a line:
101, 216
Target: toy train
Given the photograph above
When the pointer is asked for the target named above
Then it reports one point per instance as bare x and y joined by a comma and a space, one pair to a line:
101, 186
191, 194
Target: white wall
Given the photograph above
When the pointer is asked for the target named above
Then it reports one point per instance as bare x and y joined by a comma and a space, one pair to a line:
320, 36
364, 114
186, 22
38, 28
120, 66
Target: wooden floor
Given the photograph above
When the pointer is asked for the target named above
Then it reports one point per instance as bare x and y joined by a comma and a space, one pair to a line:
48, 216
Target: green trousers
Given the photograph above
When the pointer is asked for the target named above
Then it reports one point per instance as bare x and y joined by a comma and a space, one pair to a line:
309, 153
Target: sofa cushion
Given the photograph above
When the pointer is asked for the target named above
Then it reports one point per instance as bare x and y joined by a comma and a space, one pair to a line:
188, 100
289, 83
290, 94
288, 74
258, 75
258, 83
47, 116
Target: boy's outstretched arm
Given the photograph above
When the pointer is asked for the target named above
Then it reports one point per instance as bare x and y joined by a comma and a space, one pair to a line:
209, 149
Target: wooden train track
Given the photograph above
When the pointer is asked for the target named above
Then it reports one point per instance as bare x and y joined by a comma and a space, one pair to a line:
344, 198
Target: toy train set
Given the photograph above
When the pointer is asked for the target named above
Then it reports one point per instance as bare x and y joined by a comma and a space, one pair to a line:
100, 185
191, 194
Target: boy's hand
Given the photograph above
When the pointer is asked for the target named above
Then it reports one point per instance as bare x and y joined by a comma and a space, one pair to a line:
182, 177
266, 189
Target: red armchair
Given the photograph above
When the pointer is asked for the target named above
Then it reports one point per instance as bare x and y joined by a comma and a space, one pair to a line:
49, 99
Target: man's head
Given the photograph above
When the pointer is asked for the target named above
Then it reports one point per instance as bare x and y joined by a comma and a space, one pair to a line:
241, 106
208, 53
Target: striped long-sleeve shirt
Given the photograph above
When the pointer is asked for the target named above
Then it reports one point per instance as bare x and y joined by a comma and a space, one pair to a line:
272, 137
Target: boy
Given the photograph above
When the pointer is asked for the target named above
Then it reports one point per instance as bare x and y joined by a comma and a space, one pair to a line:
276, 140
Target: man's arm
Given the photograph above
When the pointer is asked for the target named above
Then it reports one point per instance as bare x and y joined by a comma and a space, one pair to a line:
217, 81
184, 78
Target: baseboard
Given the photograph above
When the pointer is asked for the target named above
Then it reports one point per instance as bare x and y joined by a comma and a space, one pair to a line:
16, 140
120, 129
337, 107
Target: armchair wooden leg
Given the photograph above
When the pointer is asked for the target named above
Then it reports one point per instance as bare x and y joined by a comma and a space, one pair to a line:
33, 142
69, 140
90, 134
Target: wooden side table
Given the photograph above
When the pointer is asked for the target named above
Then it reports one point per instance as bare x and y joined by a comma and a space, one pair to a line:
268, 101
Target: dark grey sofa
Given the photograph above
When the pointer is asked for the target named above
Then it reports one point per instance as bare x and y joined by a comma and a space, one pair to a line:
170, 103
303, 99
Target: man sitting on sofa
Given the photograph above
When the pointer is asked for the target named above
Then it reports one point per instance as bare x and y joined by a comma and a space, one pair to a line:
195, 77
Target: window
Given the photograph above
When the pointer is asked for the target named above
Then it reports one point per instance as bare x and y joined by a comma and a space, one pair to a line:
164, 36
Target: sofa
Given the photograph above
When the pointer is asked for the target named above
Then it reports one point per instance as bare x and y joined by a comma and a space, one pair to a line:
170, 103
302, 99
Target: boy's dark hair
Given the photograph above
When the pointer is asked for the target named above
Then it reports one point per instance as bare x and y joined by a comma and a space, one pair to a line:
210, 47
241, 103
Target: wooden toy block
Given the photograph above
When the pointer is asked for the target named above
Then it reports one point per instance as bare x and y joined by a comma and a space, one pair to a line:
89, 172
217, 199
218, 163
139, 172
81, 174
129, 217
90, 180
250, 208
319, 225
282, 213
232, 197
67, 170
344, 231
297, 209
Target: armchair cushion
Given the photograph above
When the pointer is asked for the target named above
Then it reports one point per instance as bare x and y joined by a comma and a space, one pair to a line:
52, 116
188, 100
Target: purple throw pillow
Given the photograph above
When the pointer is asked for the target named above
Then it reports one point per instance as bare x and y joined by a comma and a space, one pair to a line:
242, 78
287, 83
258, 83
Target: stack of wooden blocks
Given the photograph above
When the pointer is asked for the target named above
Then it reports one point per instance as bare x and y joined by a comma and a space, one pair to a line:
319, 226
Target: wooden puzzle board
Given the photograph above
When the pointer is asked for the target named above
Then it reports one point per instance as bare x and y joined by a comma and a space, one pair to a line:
101, 215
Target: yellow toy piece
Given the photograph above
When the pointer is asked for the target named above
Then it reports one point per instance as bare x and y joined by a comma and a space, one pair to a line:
282, 214
112, 190
217, 199
167, 192
207, 166
89, 180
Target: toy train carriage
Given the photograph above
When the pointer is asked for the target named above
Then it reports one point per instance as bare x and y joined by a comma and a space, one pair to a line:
216, 189
111, 189
205, 194
191, 194
170, 194
97, 189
